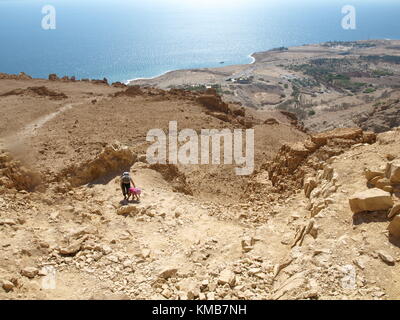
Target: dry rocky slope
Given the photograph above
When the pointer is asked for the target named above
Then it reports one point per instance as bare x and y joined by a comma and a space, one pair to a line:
286, 232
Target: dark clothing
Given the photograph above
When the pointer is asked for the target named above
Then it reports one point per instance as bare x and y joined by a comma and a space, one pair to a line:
125, 188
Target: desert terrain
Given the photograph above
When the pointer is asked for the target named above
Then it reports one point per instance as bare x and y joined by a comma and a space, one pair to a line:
318, 218
328, 85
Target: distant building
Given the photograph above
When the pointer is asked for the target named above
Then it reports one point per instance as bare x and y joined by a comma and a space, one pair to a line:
243, 80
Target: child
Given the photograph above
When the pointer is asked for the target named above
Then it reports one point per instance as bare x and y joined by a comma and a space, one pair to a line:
135, 193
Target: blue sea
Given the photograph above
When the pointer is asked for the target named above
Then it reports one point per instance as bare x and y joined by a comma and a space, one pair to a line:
128, 39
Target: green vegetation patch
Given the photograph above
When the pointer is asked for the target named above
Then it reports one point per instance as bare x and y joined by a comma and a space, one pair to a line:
384, 58
353, 44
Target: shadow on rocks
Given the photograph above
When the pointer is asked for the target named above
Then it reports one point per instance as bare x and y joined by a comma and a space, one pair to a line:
370, 217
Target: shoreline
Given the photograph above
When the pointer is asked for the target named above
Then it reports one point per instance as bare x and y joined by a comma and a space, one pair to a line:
149, 78
264, 82
251, 56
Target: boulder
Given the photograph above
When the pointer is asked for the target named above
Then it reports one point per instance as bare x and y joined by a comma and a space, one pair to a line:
385, 257
168, 273
130, 209
10, 222
393, 171
190, 288
30, 272
339, 133
371, 200
394, 211
394, 227
309, 185
227, 277
384, 184
53, 77
369, 137
297, 284
115, 157
373, 173
7, 285
210, 296
145, 253
72, 249
248, 243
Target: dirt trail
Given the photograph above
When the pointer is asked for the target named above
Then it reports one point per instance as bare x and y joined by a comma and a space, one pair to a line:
30, 129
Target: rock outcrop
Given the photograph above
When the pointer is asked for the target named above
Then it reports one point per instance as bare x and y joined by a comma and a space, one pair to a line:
112, 160
394, 211
394, 227
393, 172
293, 162
37, 91
382, 118
213, 103
172, 174
20, 76
13, 174
371, 200
385, 178
319, 188
131, 91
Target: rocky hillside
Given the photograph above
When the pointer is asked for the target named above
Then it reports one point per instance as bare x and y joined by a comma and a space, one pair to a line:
316, 220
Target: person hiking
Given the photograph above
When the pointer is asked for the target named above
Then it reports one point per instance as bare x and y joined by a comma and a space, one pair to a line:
126, 181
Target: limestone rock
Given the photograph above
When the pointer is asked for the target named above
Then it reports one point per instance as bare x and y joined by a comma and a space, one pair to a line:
168, 273
309, 185
106, 249
7, 285
53, 77
210, 296
394, 211
113, 157
248, 243
371, 200
9, 222
294, 285
30, 272
167, 293
130, 209
227, 277
15, 175
371, 173
394, 227
190, 287
145, 253
339, 133
385, 257
382, 183
393, 171
71, 249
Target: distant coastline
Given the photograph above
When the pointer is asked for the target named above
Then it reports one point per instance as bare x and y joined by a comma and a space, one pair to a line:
127, 82
147, 78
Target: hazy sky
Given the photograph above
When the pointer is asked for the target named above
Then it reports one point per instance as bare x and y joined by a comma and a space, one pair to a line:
203, 3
